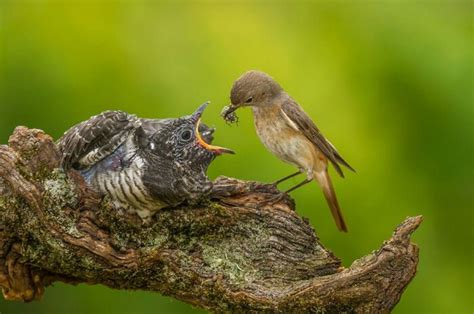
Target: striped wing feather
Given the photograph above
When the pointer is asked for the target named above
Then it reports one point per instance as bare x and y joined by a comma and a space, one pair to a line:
90, 141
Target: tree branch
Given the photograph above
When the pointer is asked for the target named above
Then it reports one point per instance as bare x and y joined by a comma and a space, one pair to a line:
228, 254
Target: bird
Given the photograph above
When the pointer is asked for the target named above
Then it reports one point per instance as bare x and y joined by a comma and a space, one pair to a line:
289, 133
142, 165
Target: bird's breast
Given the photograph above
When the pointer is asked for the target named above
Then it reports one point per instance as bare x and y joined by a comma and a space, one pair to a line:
126, 189
282, 139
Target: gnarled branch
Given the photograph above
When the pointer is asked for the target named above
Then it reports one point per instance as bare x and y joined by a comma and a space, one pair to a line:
228, 254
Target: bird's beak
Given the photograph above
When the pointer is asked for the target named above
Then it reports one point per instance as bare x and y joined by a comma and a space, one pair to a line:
198, 113
228, 113
214, 149
231, 108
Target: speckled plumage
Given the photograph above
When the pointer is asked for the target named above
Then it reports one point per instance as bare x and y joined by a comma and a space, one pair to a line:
143, 165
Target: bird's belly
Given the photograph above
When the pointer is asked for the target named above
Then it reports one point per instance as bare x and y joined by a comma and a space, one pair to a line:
126, 190
287, 144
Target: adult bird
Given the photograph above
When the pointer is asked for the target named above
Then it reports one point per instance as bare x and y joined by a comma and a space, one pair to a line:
289, 133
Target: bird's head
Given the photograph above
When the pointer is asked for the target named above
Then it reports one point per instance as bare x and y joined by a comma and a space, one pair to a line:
185, 140
176, 155
253, 88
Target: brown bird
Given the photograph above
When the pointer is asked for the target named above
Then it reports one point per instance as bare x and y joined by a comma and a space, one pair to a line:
289, 133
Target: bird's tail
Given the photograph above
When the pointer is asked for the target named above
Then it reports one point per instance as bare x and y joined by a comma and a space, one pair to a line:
328, 190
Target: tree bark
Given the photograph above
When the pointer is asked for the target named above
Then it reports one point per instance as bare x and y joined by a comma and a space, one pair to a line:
232, 253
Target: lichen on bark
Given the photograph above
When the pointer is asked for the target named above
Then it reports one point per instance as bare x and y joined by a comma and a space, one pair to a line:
229, 253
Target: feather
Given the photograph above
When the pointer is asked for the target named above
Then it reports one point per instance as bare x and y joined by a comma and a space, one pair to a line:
296, 116
91, 141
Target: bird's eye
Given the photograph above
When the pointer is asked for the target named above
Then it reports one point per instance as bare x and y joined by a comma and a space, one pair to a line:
249, 100
186, 135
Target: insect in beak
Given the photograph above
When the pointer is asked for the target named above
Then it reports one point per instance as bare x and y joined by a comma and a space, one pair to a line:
228, 113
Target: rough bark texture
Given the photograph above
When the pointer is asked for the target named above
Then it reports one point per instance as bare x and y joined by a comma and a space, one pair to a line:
230, 253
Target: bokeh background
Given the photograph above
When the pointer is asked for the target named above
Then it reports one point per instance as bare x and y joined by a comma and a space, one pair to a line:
389, 83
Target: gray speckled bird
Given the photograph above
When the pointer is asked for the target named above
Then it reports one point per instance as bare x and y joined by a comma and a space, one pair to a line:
143, 165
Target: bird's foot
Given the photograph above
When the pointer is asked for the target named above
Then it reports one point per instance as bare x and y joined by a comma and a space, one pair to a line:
279, 197
273, 199
274, 184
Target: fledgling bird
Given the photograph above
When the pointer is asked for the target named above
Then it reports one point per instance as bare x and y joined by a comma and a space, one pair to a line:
289, 133
143, 165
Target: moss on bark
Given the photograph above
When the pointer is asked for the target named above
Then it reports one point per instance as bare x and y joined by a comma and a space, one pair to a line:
228, 253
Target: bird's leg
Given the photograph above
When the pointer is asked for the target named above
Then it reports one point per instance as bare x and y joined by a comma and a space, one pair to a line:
286, 178
280, 196
298, 186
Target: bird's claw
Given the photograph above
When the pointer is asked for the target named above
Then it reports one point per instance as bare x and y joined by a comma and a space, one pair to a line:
274, 199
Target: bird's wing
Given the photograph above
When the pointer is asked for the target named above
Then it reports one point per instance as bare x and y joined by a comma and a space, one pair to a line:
90, 141
299, 120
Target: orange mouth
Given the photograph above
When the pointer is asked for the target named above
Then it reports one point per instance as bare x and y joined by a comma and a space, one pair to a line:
215, 149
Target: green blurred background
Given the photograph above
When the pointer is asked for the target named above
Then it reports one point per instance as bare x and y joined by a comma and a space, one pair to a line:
389, 83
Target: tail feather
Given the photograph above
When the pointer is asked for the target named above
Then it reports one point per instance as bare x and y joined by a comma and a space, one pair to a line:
328, 190
339, 160
343, 162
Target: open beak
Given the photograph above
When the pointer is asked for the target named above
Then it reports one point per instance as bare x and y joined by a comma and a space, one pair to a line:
199, 111
214, 149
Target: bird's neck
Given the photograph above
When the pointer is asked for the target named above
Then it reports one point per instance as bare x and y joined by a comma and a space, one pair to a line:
272, 106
